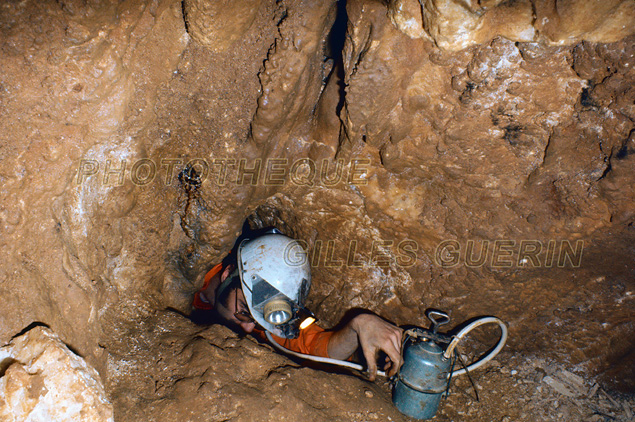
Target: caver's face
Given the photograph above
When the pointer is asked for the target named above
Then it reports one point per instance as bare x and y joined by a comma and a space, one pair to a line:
237, 312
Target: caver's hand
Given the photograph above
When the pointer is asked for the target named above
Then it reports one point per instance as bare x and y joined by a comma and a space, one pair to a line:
373, 334
376, 334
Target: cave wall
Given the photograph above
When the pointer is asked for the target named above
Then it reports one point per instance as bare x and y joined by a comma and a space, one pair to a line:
446, 130
79, 82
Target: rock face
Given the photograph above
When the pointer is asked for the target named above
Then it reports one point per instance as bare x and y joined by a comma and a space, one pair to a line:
41, 380
218, 24
477, 157
457, 24
212, 374
83, 93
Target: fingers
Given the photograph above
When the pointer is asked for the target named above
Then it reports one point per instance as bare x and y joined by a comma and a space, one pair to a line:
395, 358
387, 363
391, 345
371, 360
375, 334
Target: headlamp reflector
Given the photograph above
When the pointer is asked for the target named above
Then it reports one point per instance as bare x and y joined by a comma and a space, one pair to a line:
277, 312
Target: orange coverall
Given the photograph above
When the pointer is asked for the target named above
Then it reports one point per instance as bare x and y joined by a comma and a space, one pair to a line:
313, 340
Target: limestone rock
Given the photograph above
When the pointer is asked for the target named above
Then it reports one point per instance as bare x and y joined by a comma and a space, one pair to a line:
406, 16
42, 381
218, 24
457, 24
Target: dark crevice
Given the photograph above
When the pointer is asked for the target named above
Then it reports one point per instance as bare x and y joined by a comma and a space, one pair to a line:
586, 100
624, 150
190, 180
363, 51
30, 327
606, 171
512, 133
283, 15
5, 364
422, 10
337, 36
335, 51
187, 26
621, 153
41, 324
466, 95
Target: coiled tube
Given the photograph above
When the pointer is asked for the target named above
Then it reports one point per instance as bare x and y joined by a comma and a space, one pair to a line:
448, 352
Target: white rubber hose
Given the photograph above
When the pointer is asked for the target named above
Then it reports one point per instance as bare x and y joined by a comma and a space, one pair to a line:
447, 354
321, 359
467, 329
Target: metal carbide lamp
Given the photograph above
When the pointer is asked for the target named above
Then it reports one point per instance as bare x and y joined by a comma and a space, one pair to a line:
423, 377
428, 359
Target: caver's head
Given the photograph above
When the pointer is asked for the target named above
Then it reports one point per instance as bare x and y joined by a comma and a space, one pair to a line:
231, 306
275, 278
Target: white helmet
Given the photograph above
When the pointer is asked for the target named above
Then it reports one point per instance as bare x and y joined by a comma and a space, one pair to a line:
275, 276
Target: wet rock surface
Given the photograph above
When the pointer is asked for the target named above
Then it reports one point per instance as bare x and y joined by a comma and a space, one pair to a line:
456, 24
493, 175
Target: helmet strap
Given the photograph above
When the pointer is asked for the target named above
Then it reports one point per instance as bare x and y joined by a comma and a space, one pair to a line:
227, 282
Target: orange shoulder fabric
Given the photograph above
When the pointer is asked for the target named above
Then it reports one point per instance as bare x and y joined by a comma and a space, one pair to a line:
197, 302
313, 340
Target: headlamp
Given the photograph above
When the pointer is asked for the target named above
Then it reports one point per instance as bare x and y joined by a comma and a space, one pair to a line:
306, 317
308, 321
275, 286
277, 311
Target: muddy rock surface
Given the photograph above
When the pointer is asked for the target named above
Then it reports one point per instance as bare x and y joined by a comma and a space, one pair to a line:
476, 157
456, 24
